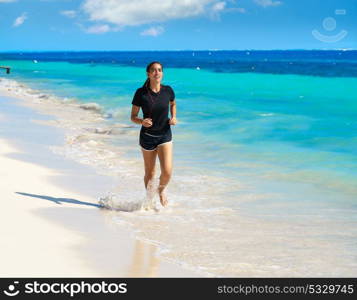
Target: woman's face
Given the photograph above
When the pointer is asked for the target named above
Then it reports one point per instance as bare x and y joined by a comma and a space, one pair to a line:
155, 73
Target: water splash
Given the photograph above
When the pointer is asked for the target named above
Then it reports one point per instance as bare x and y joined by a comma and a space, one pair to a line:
114, 200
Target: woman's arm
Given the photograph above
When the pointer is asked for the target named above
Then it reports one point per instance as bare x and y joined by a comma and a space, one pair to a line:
173, 120
134, 115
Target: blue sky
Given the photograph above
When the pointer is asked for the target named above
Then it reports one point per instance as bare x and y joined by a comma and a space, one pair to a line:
38, 25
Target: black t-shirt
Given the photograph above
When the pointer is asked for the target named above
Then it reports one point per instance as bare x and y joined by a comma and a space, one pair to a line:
155, 107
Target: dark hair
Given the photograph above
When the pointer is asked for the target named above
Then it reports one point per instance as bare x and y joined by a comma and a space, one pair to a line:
147, 81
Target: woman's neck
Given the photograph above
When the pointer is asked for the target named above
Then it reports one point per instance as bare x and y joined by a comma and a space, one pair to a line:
155, 86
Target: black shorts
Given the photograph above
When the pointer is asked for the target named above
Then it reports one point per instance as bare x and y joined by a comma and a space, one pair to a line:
150, 142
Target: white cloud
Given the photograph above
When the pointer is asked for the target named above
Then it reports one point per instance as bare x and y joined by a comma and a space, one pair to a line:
20, 20
216, 9
98, 28
153, 31
218, 6
138, 12
68, 13
266, 3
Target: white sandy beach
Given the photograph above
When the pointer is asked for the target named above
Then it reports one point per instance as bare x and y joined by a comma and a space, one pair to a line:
51, 224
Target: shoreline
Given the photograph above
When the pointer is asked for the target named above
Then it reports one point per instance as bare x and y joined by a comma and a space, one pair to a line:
76, 238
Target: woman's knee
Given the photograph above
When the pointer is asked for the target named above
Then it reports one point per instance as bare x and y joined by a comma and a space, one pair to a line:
166, 174
149, 175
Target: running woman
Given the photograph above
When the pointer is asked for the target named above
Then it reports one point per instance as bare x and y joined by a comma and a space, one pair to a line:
155, 99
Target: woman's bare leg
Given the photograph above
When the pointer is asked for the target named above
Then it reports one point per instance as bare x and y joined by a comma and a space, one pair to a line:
149, 163
164, 152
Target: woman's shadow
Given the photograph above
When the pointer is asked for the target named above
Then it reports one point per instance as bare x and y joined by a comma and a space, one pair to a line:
60, 200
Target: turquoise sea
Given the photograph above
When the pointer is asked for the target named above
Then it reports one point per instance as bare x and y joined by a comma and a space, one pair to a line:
265, 152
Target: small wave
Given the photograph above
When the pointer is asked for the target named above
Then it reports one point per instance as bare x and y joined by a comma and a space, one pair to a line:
216, 210
91, 106
115, 129
266, 115
37, 96
16, 88
113, 202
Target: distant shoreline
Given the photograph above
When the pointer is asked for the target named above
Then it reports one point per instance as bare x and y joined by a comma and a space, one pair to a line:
179, 50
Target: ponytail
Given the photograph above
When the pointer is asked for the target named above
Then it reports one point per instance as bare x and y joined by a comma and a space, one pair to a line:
147, 81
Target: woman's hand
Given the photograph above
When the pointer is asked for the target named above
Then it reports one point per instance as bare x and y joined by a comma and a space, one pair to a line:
173, 121
147, 122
